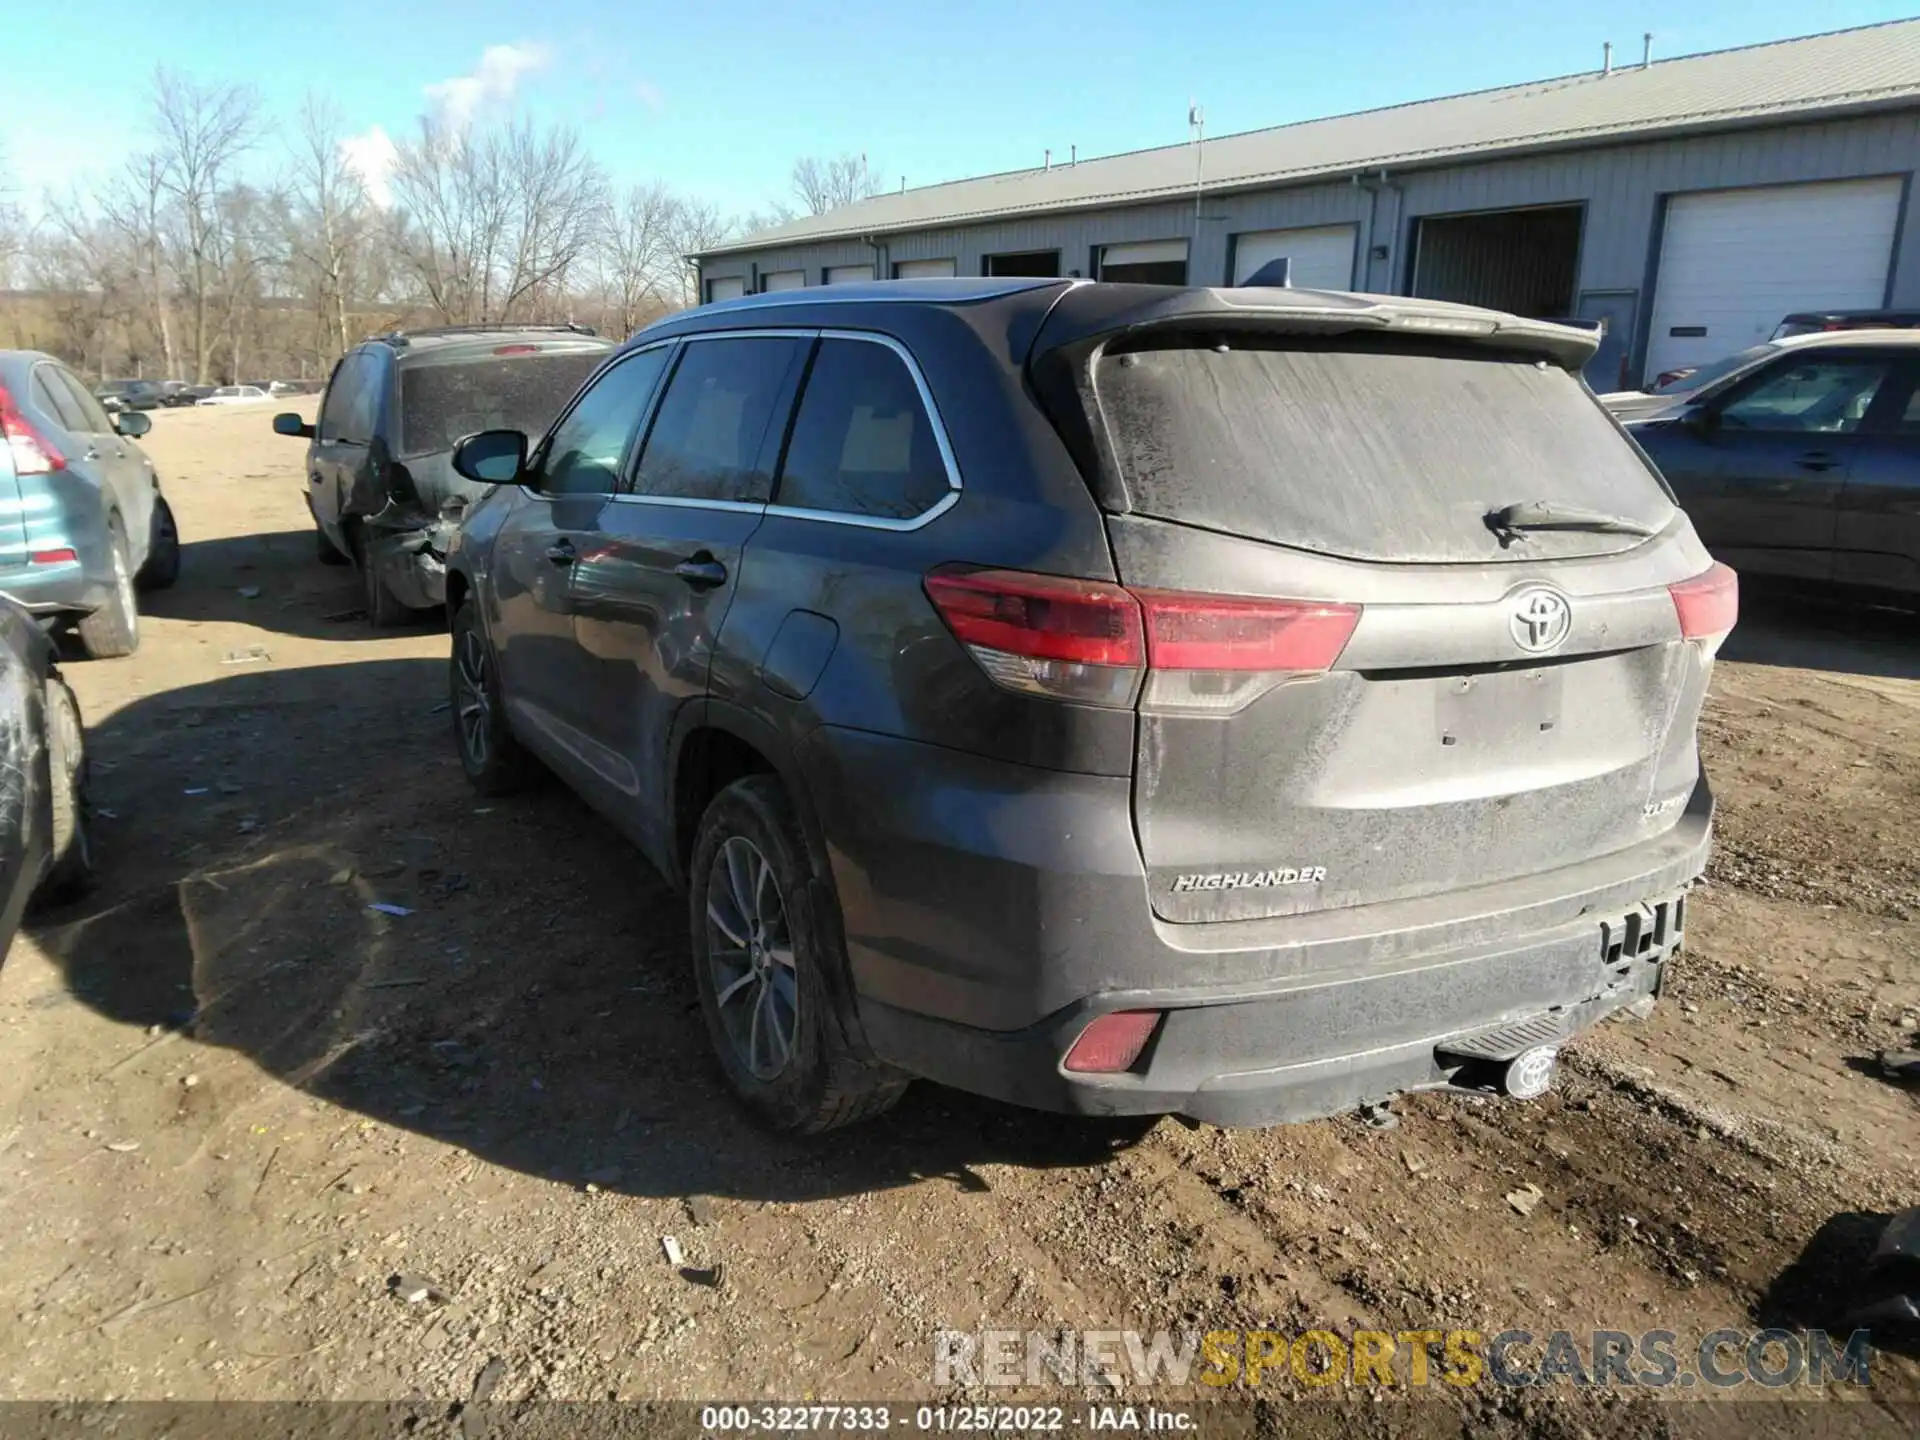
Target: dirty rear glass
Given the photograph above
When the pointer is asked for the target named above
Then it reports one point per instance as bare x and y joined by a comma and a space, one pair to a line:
1368, 450
443, 401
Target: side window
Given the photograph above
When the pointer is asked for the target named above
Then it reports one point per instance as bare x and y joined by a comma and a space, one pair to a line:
51, 396
342, 397
863, 443
364, 414
92, 417
1808, 396
726, 401
582, 454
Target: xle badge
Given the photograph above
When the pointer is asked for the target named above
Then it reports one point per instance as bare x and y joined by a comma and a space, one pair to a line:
1252, 879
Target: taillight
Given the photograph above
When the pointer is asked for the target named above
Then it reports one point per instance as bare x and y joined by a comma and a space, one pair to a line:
33, 453
1100, 644
1708, 605
1218, 653
53, 557
1112, 1043
516, 349
1045, 635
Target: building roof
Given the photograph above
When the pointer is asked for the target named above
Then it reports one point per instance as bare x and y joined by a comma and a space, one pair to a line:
1869, 67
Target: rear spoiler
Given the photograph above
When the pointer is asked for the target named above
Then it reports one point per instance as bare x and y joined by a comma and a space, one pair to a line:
1088, 315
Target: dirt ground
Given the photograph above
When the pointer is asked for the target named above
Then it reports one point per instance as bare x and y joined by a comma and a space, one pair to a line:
234, 1101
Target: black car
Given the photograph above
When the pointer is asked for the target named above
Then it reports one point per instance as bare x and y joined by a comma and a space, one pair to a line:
1803, 463
46, 851
1113, 698
380, 478
1808, 322
133, 394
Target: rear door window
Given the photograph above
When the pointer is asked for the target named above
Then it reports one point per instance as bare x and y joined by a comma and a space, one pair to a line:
343, 404
1371, 450
52, 397
93, 418
863, 443
1808, 395
720, 422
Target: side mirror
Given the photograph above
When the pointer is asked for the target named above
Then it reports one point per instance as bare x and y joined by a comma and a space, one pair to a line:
492, 457
288, 423
1701, 420
132, 423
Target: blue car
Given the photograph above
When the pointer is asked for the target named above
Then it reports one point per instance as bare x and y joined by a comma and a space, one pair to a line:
82, 518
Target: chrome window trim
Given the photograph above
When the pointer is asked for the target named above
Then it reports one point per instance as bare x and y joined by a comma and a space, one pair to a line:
898, 524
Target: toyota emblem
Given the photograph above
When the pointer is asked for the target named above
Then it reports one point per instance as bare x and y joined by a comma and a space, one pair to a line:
1540, 619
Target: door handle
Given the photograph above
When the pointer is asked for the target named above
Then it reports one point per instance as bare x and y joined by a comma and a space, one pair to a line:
561, 552
701, 572
1817, 460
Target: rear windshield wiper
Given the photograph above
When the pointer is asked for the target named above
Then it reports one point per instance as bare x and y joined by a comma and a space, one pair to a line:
1512, 522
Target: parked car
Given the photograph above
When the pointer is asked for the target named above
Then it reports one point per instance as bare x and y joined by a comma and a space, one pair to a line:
1672, 391
46, 850
1111, 698
193, 394
380, 478
177, 393
1808, 322
82, 517
234, 395
1804, 462
132, 394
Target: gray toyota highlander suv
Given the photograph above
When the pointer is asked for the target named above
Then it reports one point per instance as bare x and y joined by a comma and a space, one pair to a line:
1249, 704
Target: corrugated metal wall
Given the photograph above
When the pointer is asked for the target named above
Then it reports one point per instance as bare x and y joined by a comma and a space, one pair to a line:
1622, 187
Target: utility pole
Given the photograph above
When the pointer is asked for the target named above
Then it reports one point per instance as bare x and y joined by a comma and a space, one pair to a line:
1197, 126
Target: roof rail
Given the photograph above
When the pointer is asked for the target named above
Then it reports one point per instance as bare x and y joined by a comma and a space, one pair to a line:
403, 337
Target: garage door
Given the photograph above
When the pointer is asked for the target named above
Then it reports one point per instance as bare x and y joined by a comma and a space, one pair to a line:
923, 270
848, 274
1732, 262
783, 280
1149, 262
1321, 255
727, 287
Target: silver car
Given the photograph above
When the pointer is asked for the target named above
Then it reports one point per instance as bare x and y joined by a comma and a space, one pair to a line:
82, 519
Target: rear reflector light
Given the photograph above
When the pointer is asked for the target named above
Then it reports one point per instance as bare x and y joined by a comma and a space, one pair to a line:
33, 453
1112, 1043
53, 557
1100, 644
1708, 604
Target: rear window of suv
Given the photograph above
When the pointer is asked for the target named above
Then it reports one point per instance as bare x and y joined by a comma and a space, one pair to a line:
1368, 450
441, 401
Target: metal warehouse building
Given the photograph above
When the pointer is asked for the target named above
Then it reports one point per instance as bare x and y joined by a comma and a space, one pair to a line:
1688, 203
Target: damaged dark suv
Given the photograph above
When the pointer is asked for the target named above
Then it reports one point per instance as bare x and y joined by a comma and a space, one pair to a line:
1245, 703
380, 478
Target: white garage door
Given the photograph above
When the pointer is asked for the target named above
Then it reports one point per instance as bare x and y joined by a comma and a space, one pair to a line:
1732, 262
923, 270
1321, 255
783, 280
848, 274
726, 287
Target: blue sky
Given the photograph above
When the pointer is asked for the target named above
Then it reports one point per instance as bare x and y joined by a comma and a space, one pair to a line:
719, 98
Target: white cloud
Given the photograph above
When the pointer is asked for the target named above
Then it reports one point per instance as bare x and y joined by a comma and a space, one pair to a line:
370, 155
492, 82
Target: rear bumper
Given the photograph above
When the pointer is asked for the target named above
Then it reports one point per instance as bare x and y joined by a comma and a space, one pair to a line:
992, 912
54, 592
412, 562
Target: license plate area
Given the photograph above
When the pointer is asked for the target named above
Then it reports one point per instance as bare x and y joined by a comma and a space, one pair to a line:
1498, 709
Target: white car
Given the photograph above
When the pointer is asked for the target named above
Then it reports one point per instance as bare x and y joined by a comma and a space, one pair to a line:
235, 395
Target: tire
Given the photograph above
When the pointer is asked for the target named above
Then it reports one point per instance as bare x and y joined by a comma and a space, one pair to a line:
324, 550
163, 550
495, 762
114, 629
776, 1003
71, 872
384, 612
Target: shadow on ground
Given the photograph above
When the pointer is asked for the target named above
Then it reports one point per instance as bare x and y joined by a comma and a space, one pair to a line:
1781, 627
273, 580
535, 1006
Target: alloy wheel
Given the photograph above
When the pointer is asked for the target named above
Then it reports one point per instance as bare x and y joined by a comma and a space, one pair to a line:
473, 702
750, 958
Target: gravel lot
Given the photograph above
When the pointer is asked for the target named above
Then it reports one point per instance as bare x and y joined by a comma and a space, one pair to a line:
236, 1101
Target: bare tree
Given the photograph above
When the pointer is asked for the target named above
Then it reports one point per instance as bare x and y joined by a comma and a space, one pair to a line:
638, 260
826, 184
202, 130
331, 221
135, 205
697, 226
